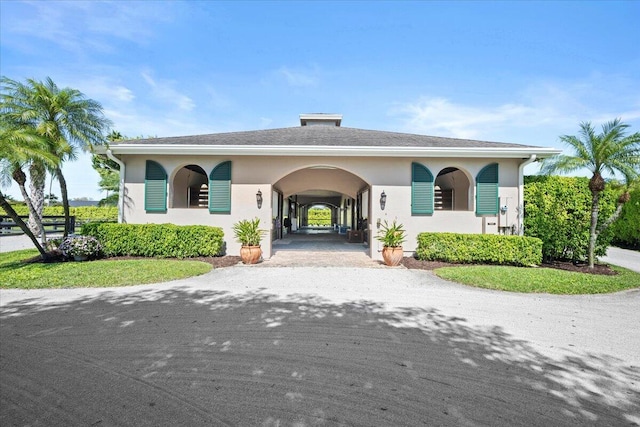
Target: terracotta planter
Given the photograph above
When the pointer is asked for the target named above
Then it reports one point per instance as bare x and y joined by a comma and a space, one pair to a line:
392, 255
250, 254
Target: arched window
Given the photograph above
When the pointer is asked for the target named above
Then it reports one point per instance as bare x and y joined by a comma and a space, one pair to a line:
190, 188
220, 188
487, 190
155, 187
451, 191
421, 190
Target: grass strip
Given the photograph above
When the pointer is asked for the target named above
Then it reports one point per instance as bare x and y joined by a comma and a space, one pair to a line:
540, 280
16, 274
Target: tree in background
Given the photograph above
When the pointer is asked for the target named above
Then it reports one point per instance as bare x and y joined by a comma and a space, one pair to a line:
65, 118
611, 151
51, 199
109, 172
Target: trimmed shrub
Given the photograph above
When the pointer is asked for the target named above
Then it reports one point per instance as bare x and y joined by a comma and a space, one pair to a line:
558, 211
626, 230
157, 240
479, 249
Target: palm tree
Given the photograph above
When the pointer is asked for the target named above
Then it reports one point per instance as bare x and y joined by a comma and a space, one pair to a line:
65, 117
19, 146
611, 151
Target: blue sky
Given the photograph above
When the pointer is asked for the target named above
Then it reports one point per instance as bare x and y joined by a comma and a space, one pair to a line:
521, 72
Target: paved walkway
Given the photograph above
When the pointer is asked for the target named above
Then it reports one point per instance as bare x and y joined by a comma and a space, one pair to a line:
317, 346
319, 248
322, 258
303, 344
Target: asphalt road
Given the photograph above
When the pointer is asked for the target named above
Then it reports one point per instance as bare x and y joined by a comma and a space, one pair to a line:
622, 257
253, 346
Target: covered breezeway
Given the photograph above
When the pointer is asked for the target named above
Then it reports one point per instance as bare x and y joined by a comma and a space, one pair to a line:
317, 239
341, 196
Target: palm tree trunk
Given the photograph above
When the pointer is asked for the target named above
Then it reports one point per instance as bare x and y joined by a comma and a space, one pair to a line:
65, 200
20, 177
593, 235
38, 176
4, 204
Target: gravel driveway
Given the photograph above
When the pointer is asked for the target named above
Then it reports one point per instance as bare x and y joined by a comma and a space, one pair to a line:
307, 346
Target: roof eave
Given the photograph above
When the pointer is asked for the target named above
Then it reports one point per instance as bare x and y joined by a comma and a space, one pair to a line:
329, 151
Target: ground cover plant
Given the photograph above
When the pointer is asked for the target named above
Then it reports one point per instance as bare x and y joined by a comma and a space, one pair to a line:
16, 273
556, 278
540, 280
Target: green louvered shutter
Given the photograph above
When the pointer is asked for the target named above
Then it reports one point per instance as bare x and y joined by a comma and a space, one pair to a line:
487, 190
155, 187
421, 190
220, 189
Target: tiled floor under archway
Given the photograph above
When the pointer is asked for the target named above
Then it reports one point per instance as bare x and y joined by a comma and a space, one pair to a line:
313, 247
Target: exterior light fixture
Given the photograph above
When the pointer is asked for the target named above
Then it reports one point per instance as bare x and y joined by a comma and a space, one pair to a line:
259, 199
383, 200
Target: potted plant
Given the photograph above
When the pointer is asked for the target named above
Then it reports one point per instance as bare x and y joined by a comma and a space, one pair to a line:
392, 236
248, 234
80, 248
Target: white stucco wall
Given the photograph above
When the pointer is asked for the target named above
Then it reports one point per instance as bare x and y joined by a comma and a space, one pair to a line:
350, 176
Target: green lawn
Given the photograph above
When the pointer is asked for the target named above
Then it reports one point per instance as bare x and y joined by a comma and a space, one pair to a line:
16, 274
540, 280
102, 273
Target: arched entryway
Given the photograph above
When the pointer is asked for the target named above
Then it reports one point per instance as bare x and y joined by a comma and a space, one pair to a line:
340, 196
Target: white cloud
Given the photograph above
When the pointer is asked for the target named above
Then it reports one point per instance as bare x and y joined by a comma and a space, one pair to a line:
106, 90
440, 116
151, 124
299, 77
538, 114
163, 90
123, 94
81, 26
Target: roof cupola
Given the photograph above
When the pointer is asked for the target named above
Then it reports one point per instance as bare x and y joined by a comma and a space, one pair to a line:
323, 119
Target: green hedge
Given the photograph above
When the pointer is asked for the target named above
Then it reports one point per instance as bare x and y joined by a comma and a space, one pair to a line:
479, 248
557, 210
157, 240
626, 230
82, 213
319, 217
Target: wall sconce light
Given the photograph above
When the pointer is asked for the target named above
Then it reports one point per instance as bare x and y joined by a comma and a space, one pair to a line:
383, 200
259, 199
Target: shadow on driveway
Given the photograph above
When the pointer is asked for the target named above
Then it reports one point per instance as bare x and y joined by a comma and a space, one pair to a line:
178, 357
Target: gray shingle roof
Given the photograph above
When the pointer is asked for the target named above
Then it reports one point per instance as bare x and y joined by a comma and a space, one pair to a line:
322, 136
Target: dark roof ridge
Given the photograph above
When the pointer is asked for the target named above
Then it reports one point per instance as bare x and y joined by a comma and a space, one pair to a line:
320, 136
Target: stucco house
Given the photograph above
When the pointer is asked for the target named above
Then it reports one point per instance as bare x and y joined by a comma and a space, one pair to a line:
365, 176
